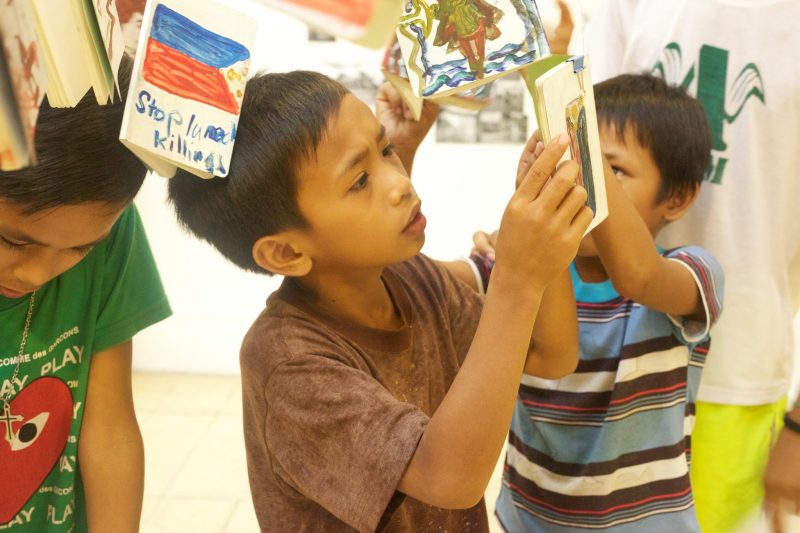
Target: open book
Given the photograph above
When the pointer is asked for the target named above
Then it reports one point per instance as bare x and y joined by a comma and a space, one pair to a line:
451, 46
187, 86
395, 72
81, 45
22, 85
369, 23
563, 98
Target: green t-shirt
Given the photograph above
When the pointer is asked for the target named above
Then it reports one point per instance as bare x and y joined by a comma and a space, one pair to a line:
101, 302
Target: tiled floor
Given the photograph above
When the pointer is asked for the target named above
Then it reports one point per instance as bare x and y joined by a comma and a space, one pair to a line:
195, 470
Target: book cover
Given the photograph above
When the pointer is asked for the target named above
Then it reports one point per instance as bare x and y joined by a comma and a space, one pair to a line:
187, 86
23, 84
451, 46
563, 99
395, 72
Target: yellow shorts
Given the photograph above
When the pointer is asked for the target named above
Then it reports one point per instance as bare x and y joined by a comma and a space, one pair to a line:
730, 448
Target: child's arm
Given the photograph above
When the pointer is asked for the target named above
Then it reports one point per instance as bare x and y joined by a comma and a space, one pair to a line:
539, 236
633, 263
110, 449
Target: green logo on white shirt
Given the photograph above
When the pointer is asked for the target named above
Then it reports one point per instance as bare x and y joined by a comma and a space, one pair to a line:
723, 102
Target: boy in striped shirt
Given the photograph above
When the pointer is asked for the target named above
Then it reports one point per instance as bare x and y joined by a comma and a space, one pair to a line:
608, 447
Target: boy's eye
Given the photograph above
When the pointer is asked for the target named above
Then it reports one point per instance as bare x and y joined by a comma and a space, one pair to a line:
389, 150
360, 183
617, 171
15, 246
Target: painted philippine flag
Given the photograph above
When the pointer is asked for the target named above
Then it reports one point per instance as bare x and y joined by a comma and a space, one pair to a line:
189, 61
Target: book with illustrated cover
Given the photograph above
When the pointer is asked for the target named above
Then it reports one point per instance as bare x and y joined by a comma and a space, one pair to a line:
22, 84
452, 46
563, 98
187, 86
395, 72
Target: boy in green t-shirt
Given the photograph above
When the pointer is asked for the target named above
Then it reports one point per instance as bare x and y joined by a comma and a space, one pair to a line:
77, 281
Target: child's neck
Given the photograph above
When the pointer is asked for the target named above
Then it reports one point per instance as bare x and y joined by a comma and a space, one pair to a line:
361, 298
590, 269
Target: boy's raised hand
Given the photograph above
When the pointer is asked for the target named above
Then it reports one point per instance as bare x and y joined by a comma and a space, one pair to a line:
545, 220
402, 130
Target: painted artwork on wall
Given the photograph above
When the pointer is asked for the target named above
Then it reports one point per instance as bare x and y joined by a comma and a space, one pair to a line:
369, 23
188, 85
450, 46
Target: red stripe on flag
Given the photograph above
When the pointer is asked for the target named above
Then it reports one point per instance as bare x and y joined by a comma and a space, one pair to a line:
179, 74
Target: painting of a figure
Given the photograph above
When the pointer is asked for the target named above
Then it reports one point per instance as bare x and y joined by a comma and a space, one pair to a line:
466, 25
579, 148
450, 46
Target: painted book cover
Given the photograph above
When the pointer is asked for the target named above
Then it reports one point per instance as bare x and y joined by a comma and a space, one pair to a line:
187, 87
23, 84
451, 46
394, 70
369, 23
564, 102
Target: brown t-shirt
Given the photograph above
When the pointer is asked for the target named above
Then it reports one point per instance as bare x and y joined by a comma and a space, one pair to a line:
333, 411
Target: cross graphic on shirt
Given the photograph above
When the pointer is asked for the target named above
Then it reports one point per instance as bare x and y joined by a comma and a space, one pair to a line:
7, 418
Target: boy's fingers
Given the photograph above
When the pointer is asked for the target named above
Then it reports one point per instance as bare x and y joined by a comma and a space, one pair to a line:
481, 244
559, 187
544, 167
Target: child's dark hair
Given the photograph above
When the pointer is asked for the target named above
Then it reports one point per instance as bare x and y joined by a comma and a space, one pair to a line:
283, 120
665, 120
80, 157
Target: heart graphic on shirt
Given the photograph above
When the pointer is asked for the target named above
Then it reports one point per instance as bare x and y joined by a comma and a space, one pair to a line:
33, 435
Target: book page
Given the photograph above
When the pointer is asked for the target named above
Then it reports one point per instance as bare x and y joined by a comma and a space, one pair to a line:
63, 44
450, 46
188, 84
110, 28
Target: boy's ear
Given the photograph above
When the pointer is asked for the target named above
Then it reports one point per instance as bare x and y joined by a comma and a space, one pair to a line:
679, 203
280, 255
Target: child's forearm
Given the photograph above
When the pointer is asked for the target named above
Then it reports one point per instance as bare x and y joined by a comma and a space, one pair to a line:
459, 449
632, 261
554, 352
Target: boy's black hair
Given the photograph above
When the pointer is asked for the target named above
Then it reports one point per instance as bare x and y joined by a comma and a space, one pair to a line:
80, 157
665, 120
283, 120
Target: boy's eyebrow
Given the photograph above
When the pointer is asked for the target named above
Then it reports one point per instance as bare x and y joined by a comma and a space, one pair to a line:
362, 153
22, 237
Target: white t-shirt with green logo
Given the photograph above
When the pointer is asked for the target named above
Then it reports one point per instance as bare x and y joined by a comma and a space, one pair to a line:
113, 293
739, 59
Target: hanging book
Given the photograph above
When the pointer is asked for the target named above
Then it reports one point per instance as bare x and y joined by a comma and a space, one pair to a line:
22, 84
563, 99
370, 23
187, 86
73, 49
395, 72
451, 46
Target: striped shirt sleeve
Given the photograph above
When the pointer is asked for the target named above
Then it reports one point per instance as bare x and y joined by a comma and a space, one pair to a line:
710, 281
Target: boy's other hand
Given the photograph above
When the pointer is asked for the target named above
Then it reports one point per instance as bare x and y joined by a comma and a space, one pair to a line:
544, 222
401, 128
484, 243
560, 36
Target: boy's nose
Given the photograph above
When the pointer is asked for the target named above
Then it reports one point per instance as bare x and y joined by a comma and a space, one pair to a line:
401, 189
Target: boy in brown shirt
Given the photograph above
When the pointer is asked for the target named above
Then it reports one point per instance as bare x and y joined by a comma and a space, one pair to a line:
378, 389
